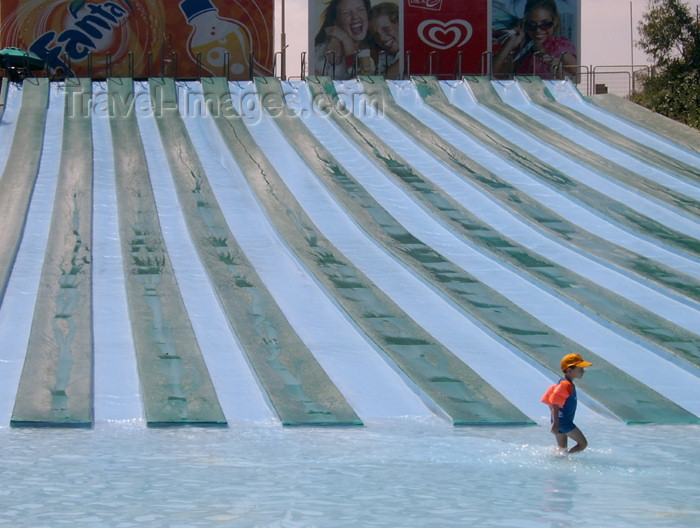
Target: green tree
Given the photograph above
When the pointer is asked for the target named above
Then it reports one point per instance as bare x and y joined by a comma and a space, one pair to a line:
670, 35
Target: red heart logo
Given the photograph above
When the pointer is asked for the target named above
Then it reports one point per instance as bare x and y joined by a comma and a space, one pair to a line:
445, 35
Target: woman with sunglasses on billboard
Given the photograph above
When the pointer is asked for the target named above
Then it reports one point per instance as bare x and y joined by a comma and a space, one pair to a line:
533, 47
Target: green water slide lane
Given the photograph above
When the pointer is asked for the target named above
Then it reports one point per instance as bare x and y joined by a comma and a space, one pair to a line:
609, 207
539, 94
432, 94
298, 388
464, 396
56, 385
21, 170
679, 133
175, 384
597, 300
518, 201
486, 305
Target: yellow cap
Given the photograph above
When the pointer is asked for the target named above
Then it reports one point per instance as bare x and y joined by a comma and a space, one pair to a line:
574, 360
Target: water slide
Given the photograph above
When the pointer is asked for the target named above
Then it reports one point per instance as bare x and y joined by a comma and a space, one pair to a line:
318, 253
394, 137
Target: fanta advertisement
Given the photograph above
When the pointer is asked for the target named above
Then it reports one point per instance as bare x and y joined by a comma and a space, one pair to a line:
142, 38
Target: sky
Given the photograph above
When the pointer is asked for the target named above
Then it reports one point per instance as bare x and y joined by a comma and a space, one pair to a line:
605, 32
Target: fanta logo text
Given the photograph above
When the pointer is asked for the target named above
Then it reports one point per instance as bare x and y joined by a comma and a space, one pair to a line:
434, 5
84, 36
445, 35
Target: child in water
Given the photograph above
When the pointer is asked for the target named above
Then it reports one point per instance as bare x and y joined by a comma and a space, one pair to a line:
561, 399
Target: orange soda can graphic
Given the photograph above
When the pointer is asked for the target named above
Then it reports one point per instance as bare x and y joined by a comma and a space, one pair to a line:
67, 33
137, 37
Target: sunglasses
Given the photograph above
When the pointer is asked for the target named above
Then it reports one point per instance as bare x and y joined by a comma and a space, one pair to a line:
531, 26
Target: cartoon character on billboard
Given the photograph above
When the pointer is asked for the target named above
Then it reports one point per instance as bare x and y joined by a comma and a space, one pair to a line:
112, 37
214, 39
533, 44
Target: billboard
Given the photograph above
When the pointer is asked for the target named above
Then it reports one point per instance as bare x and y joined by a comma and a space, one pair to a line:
442, 37
347, 37
446, 37
144, 37
536, 37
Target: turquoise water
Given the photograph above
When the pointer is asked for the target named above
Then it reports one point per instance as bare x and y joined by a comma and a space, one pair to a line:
388, 474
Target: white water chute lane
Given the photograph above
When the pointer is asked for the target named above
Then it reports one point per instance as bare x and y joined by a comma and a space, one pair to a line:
462, 97
566, 93
536, 92
454, 386
445, 323
415, 294
237, 391
372, 388
646, 206
488, 96
572, 159
516, 176
536, 201
297, 387
418, 189
679, 310
657, 124
323, 320
117, 391
466, 337
537, 302
175, 384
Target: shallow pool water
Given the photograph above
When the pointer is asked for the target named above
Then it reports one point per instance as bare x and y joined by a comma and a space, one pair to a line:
388, 474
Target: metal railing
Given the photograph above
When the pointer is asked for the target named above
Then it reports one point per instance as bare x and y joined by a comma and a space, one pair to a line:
621, 80
618, 79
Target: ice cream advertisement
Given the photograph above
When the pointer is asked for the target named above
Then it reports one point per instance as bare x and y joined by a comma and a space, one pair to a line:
446, 37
